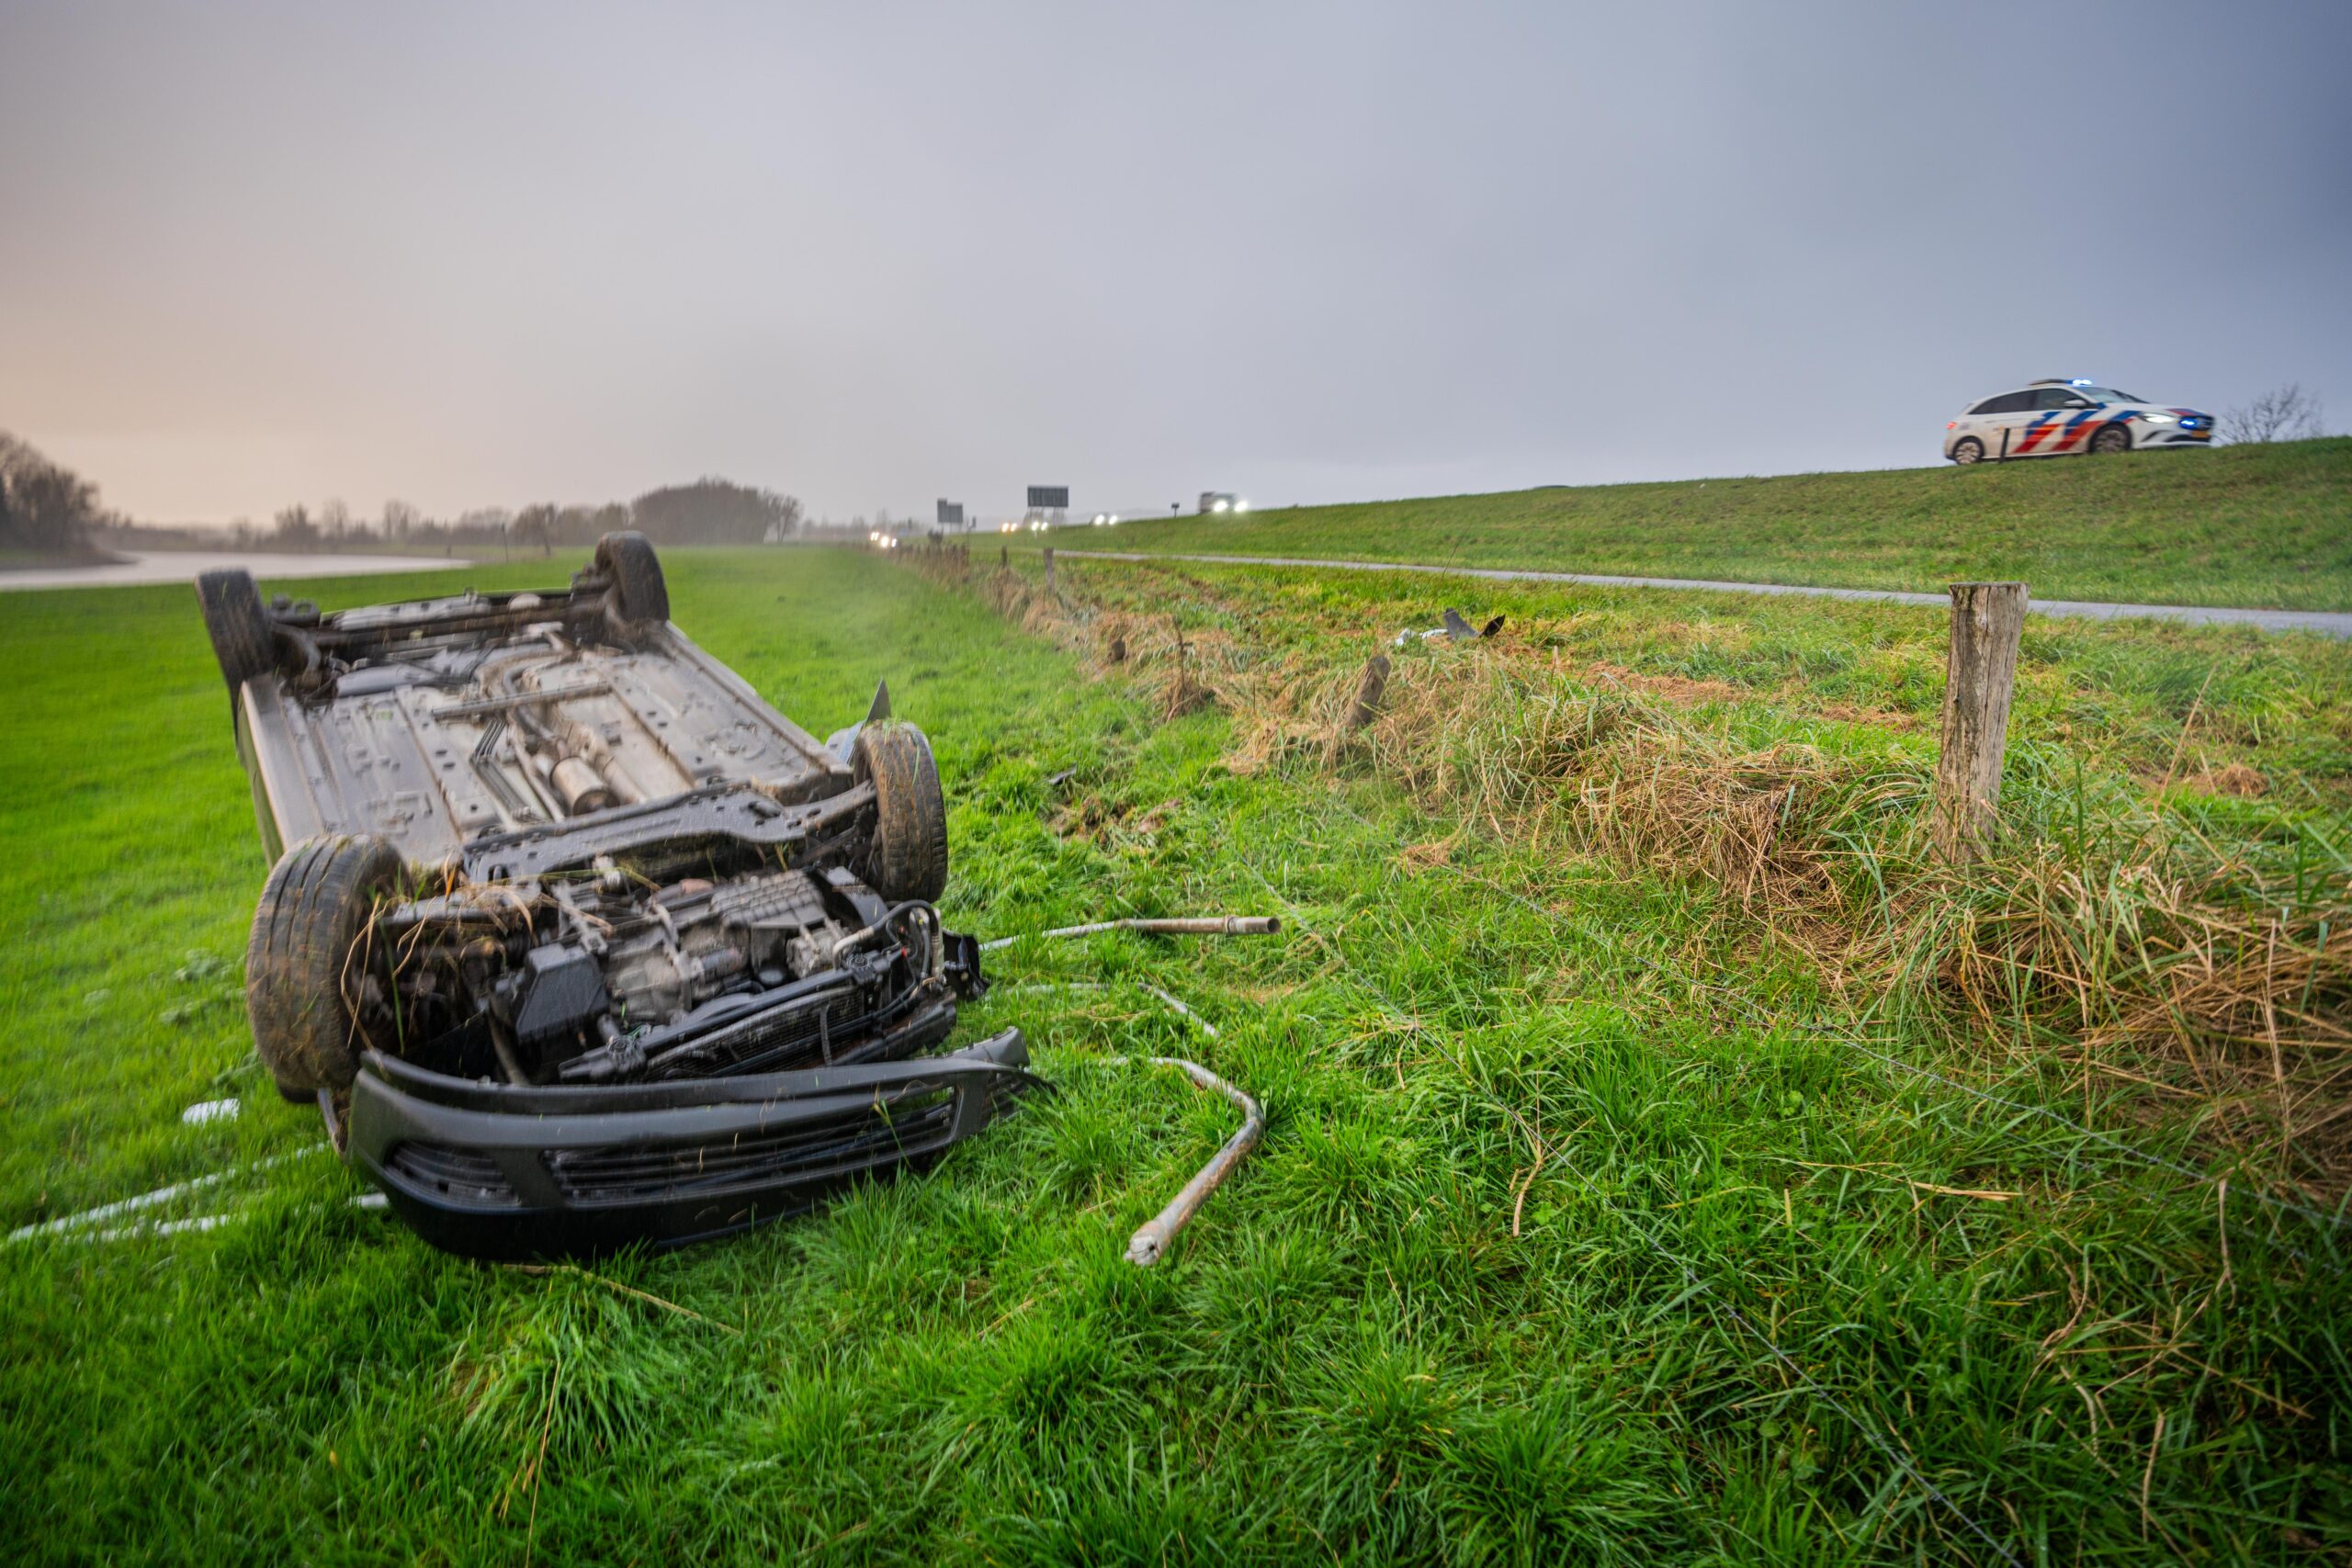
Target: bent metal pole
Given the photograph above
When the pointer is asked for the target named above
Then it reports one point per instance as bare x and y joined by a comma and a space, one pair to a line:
1154, 1237
1211, 925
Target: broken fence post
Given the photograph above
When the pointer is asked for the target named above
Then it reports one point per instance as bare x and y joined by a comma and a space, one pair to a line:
1987, 621
1370, 687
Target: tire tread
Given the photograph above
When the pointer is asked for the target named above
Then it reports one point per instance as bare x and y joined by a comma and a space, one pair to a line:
314, 907
906, 857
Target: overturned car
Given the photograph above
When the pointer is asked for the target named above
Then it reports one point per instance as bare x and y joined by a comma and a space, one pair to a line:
573, 940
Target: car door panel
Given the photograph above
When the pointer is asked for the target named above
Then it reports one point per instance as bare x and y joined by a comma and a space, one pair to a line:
2061, 420
2000, 425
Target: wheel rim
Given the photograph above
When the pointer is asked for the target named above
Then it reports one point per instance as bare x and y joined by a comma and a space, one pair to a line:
1966, 452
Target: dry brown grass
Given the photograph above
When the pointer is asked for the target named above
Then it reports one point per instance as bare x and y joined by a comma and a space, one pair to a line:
2102, 926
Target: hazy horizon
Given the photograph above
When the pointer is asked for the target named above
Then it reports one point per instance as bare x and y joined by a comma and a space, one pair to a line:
266, 254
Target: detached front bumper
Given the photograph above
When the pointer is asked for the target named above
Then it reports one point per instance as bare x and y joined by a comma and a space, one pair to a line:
491, 1171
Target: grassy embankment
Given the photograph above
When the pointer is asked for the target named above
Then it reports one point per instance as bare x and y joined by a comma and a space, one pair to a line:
1584, 1228
2269, 526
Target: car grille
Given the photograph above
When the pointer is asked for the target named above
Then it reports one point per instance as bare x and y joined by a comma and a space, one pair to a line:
461, 1175
589, 1176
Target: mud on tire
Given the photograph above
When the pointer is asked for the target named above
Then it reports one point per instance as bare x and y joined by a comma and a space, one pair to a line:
309, 959
641, 593
907, 855
242, 639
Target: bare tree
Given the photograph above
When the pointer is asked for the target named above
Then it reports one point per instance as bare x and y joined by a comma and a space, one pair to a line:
536, 525
400, 518
295, 531
334, 521
2283, 414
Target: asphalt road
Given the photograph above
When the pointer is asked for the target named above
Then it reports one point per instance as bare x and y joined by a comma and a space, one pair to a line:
2327, 623
182, 566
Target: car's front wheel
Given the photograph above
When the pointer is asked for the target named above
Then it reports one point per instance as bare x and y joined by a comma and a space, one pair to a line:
641, 593
2111, 439
1968, 449
243, 640
311, 957
906, 857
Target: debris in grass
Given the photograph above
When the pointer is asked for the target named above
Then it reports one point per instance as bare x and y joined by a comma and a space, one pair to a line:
1151, 1241
1198, 925
1453, 628
205, 1111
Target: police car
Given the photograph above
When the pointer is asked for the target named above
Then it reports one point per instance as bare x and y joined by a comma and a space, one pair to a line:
2050, 418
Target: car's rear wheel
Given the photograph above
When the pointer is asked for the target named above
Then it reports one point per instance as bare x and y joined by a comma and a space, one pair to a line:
1968, 449
2111, 439
308, 965
639, 592
243, 640
906, 857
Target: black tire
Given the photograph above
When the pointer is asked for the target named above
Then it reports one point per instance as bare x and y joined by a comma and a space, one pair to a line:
1967, 450
906, 857
311, 956
2110, 438
242, 638
639, 592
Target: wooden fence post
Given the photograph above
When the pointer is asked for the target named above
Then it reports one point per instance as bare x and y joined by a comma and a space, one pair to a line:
1371, 686
1050, 568
1981, 675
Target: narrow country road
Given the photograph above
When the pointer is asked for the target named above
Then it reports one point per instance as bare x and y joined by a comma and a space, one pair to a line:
182, 566
2328, 623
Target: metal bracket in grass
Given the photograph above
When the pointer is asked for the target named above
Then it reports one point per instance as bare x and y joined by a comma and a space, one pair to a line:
1156, 1235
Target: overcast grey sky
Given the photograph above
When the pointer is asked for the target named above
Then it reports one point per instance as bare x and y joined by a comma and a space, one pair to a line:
875, 254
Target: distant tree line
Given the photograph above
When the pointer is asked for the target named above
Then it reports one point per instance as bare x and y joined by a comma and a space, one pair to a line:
713, 511
45, 506
707, 512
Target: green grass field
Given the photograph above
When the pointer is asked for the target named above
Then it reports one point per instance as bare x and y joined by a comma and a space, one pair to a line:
1592, 1224
2265, 526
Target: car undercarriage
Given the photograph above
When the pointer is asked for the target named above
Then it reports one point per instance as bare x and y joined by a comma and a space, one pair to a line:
573, 940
